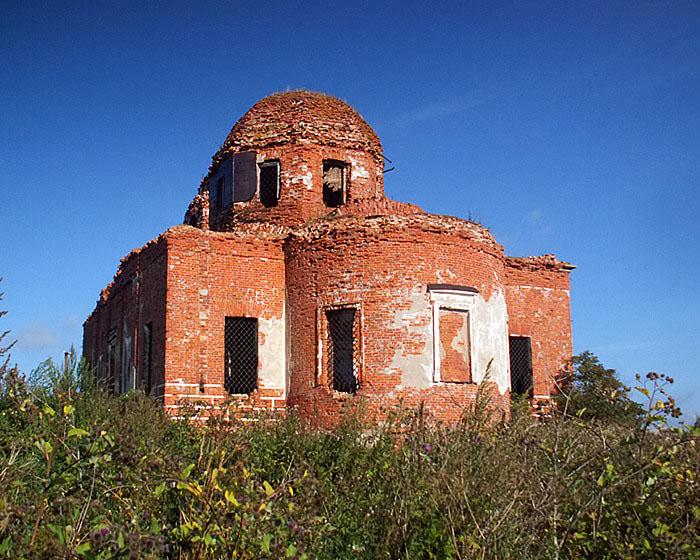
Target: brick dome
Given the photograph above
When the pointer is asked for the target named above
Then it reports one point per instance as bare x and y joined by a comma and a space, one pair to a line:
301, 117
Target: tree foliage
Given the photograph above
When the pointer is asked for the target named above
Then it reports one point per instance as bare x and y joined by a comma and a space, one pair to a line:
593, 391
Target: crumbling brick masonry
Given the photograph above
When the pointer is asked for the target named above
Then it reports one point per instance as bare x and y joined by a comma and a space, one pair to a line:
294, 282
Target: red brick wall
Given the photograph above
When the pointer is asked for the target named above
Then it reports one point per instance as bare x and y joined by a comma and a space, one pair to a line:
135, 297
383, 266
210, 276
286, 265
538, 306
301, 129
301, 185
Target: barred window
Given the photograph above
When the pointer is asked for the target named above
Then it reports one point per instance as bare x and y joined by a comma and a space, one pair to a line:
521, 382
334, 183
269, 183
240, 355
343, 349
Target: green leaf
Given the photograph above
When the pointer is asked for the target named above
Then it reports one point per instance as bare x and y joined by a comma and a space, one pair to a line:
68, 410
269, 490
230, 498
48, 410
266, 540
77, 432
291, 551
120, 540
209, 540
187, 471
60, 532
160, 489
82, 549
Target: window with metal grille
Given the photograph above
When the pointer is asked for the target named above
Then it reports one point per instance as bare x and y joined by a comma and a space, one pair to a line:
269, 183
334, 183
343, 349
240, 355
521, 382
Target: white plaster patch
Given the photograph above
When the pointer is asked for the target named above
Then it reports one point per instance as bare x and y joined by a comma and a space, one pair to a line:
489, 338
306, 178
357, 170
416, 369
445, 276
490, 331
272, 353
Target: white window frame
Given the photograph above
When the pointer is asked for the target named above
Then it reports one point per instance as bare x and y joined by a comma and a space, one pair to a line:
454, 300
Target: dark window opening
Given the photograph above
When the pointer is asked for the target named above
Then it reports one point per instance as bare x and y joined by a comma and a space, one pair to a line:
334, 183
269, 183
343, 351
521, 382
240, 355
148, 357
220, 188
245, 176
112, 353
126, 381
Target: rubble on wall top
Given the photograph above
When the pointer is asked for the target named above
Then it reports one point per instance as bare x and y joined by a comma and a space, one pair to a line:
377, 206
259, 231
540, 262
245, 230
362, 218
300, 117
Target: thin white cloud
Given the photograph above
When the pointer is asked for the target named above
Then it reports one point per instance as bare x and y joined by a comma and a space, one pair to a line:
439, 109
36, 336
533, 226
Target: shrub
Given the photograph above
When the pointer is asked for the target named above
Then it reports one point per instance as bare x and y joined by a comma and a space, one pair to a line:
90, 475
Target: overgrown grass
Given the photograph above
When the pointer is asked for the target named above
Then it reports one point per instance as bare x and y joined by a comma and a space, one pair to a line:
88, 475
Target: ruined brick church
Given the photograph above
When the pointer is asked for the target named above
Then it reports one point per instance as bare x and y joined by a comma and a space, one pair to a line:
295, 282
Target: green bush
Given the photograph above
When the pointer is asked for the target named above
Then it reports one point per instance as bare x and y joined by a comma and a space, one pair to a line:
89, 475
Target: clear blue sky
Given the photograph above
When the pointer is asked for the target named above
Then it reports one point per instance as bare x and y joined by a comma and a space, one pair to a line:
571, 128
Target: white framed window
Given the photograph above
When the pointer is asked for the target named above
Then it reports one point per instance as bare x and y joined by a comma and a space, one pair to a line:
454, 352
